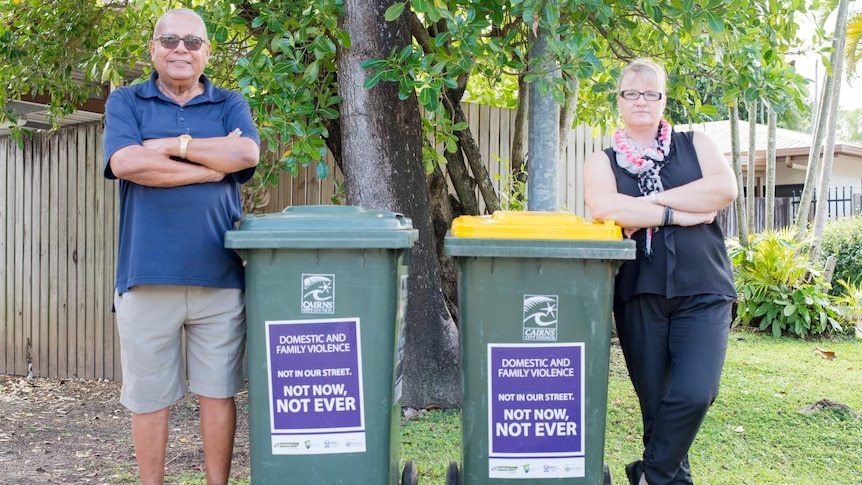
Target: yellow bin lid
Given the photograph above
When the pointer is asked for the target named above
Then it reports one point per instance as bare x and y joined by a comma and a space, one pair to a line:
534, 225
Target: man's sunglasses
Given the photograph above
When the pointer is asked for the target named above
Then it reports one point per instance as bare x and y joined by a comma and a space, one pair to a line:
171, 41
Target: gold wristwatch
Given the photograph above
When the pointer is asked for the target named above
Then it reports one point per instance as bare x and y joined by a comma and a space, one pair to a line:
184, 144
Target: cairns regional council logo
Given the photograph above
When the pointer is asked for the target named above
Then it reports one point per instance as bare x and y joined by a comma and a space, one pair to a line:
318, 293
540, 317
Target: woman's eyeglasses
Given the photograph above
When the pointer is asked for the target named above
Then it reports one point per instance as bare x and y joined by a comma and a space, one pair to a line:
171, 41
632, 95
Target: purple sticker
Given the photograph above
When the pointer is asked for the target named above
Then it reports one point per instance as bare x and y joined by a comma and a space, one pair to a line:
536, 399
315, 376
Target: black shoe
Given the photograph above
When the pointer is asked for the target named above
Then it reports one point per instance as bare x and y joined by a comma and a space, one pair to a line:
608, 479
633, 472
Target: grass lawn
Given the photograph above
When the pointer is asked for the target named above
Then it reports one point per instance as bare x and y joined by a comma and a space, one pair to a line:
757, 432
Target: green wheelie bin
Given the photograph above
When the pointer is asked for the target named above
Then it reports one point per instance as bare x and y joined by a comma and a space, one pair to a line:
535, 300
326, 295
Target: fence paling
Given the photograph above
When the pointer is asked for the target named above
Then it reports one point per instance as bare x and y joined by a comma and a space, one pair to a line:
782, 216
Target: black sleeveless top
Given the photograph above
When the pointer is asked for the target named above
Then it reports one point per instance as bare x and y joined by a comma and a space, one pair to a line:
686, 261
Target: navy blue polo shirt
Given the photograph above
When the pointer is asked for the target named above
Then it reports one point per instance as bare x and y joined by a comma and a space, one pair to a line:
175, 235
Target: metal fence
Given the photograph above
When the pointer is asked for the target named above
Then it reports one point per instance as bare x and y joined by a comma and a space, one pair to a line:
840, 201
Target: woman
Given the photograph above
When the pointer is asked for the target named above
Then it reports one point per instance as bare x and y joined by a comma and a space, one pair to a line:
672, 304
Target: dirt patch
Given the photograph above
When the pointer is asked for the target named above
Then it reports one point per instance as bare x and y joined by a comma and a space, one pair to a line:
76, 431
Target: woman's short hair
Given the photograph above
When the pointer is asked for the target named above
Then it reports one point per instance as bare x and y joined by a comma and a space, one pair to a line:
648, 70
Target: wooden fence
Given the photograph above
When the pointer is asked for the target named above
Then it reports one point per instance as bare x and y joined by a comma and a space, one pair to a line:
493, 129
58, 220
58, 230
783, 215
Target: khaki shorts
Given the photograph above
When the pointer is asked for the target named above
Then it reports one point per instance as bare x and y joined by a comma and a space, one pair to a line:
151, 322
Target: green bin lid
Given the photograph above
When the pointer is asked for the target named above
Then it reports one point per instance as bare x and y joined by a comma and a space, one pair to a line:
537, 234
323, 227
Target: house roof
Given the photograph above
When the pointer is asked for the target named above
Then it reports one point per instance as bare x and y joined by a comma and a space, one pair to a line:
788, 143
32, 112
34, 115
32, 109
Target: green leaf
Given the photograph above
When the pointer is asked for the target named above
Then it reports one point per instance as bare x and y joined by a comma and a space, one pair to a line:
373, 64
394, 11
328, 113
709, 110
751, 95
429, 97
245, 81
421, 6
343, 38
373, 79
715, 24
434, 14
281, 68
322, 169
311, 71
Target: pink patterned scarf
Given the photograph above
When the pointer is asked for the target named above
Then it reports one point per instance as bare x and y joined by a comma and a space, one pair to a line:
644, 163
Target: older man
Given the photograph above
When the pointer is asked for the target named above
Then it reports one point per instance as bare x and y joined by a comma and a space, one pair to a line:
181, 148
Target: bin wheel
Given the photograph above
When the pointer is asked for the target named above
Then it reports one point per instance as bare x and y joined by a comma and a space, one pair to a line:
452, 474
410, 475
608, 479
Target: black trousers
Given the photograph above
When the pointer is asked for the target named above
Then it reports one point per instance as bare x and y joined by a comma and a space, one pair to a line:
674, 350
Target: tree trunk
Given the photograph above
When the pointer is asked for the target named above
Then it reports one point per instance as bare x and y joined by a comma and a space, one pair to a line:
518, 162
750, 172
456, 166
821, 116
837, 60
468, 145
543, 120
382, 159
441, 219
741, 224
770, 168
464, 184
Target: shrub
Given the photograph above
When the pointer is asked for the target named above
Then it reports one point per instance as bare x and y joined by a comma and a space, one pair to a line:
849, 304
842, 238
779, 289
